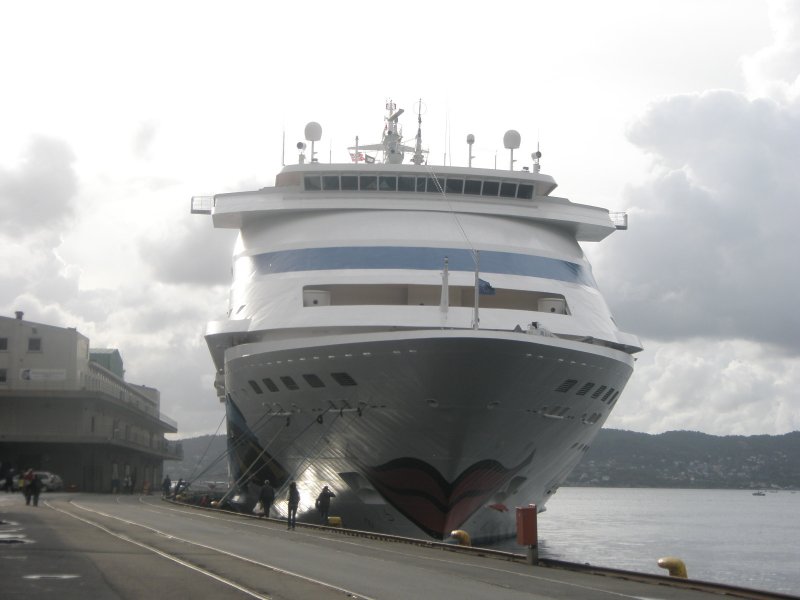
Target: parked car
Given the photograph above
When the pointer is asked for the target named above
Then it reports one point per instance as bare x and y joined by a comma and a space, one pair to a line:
50, 481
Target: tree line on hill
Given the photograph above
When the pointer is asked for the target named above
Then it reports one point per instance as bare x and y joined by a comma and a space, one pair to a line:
616, 458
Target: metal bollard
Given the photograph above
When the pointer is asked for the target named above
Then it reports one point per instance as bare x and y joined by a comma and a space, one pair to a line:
675, 566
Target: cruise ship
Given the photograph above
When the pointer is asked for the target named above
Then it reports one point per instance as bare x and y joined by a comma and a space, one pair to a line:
427, 340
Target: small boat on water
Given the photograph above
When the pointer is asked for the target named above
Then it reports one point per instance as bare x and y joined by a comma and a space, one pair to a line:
428, 341
759, 493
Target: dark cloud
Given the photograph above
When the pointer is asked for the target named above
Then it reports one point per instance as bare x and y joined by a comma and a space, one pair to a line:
711, 249
40, 193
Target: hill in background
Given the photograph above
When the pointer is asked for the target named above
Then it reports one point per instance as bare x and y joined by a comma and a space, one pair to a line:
680, 459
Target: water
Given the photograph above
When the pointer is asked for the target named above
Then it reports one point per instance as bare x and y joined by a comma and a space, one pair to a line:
726, 536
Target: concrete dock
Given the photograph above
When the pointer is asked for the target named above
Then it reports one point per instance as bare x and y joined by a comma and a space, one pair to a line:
100, 546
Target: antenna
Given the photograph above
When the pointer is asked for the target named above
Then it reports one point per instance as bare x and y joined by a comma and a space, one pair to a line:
536, 156
511, 141
418, 157
470, 141
313, 133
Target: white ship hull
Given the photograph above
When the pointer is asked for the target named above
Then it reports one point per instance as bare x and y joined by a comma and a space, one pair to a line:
434, 432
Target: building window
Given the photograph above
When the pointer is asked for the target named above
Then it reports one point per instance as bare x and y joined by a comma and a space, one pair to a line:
3, 344
34, 344
3, 376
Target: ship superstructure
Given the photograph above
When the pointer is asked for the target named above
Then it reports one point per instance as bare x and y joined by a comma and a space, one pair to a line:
429, 341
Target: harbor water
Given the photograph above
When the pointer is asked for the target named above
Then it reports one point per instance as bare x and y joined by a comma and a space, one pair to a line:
725, 536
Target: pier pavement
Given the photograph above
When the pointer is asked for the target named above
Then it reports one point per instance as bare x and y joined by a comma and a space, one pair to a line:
101, 546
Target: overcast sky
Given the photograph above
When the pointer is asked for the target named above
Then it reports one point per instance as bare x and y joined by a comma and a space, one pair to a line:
684, 113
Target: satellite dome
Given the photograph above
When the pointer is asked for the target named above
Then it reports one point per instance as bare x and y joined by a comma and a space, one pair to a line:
470, 139
313, 131
511, 139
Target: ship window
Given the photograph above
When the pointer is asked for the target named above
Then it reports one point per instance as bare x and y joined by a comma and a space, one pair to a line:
289, 383
613, 398
313, 182
330, 182
584, 389
472, 187
434, 185
387, 184
3, 344
368, 182
508, 190
34, 344
608, 394
525, 191
405, 184
255, 387
454, 186
313, 380
349, 182
270, 384
3, 376
599, 391
421, 184
566, 385
490, 188
343, 379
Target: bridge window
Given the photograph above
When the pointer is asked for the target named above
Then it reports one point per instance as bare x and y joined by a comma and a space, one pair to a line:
343, 379
525, 191
508, 190
349, 182
490, 188
368, 183
454, 186
313, 182
313, 380
289, 383
270, 384
472, 187
406, 184
387, 184
330, 182
255, 387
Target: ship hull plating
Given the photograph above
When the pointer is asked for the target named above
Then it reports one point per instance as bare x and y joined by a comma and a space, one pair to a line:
419, 433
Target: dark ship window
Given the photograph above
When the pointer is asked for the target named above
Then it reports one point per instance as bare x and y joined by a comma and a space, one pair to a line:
313, 380
387, 184
313, 182
255, 387
599, 391
566, 385
406, 184
454, 186
613, 398
472, 187
330, 182
525, 191
490, 188
289, 383
270, 384
508, 190
421, 184
584, 389
349, 182
343, 379
368, 182
608, 394
434, 185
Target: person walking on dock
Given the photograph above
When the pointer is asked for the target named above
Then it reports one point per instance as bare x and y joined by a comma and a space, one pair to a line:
266, 497
324, 503
166, 485
294, 502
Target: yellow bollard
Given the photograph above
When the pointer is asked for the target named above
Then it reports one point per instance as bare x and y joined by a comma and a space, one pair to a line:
675, 566
334, 521
462, 537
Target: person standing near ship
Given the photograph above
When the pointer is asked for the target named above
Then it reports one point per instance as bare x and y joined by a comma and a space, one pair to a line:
324, 503
294, 502
266, 497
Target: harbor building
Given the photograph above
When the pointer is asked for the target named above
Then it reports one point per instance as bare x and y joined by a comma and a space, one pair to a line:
66, 408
